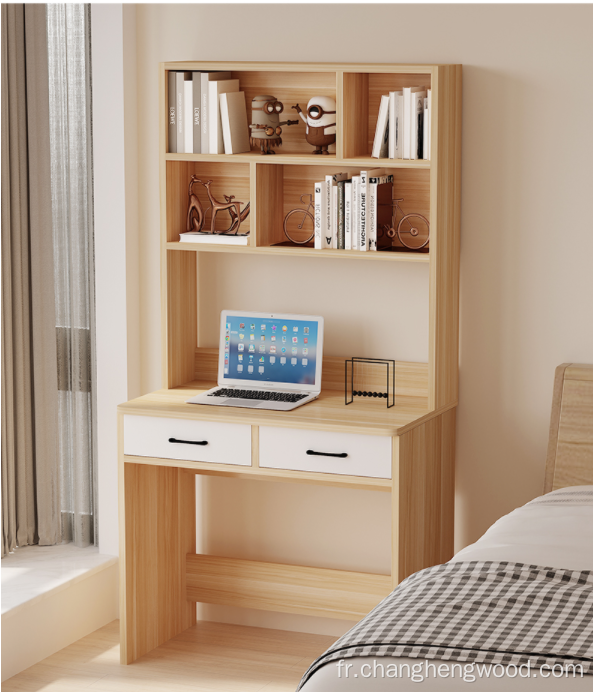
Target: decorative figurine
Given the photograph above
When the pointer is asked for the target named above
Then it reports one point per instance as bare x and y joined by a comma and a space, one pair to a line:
413, 230
196, 214
320, 122
266, 126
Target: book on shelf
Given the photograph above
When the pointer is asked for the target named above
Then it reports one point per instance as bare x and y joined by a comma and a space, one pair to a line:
362, 206
179, 99
426, 123
205, 79
380, 148
348, 215
196, 89
215, 89
188, 114
340, 215
379, 195
416, 121
408, 104
331, 207
235, 129
172, 111
395, 124
213, 238
320, 215
355, 224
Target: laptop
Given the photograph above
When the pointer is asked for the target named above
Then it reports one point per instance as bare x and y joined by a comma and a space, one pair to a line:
267, 361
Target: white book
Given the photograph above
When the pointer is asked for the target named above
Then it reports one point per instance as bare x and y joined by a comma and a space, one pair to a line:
428, 95
215, 89
417, 116
213, 239
395, 129
179, 101
188, 114
334, 217
355, 213
320, 217
373, 210
233, 115
363, 206
205, 79
381, 142
348, 216
407, 120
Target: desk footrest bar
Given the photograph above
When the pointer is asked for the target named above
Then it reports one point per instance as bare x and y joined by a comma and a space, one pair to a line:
284, 588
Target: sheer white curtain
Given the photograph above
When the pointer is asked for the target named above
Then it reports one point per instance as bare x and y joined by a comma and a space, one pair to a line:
68, 33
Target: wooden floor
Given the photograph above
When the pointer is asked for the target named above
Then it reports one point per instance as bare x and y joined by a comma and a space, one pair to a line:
209, 657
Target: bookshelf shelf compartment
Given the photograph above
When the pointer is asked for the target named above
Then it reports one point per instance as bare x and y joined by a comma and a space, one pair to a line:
362, 93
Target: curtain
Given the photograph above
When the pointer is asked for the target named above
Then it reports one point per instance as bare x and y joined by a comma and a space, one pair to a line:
47, 277
68, 32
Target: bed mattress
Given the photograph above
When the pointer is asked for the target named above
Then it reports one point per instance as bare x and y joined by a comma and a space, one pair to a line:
555, 530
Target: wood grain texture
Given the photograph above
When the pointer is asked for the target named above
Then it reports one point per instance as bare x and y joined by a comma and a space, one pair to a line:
284, 588
269, 182
411, 379
355, 109
445, 200
570, 448
158, 516
181, 318
207, 657
423, 476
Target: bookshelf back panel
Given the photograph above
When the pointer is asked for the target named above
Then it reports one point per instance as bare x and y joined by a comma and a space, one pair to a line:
229, 178
362, 97
290, 88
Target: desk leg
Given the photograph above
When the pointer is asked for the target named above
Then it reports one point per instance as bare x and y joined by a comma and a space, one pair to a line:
159, 518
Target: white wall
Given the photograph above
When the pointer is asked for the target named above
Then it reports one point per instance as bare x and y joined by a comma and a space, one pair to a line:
116, 256
526, 278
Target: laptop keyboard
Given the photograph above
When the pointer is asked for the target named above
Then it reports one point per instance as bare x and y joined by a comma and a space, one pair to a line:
260, 396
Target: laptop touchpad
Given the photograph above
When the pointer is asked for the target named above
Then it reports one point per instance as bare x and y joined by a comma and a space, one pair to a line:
244, 403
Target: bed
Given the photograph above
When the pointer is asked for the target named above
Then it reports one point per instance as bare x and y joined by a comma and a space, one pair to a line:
513, 611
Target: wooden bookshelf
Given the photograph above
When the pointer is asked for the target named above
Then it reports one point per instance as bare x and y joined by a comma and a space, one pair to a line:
157, 593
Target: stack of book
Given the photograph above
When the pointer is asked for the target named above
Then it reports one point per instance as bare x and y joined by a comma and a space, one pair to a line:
352, 213
403, 125
206, 114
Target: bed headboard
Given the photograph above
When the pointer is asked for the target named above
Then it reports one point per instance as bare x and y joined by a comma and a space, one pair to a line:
570, 448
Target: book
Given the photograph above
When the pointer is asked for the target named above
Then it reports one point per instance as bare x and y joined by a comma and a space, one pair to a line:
331, 203
213, 238
335, 217
425, 131
407, 120
428, 95
363, 241
373, 208
355, 224
215, 89
381, 142
320, 215
348, 215
205, 79
395, 124
340, 215
416, 118
179, 98
188, 113
172, 110
235, 129
196, 79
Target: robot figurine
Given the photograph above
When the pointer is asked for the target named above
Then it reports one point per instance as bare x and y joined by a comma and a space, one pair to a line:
320, 122
265, 128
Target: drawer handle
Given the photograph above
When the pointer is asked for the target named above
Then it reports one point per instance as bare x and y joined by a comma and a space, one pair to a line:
188, 442
311, 452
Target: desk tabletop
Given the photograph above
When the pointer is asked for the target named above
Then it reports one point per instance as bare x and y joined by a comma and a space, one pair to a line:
328, 412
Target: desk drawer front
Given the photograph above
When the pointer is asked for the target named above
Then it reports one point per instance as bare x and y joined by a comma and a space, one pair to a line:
226, 443
325, 452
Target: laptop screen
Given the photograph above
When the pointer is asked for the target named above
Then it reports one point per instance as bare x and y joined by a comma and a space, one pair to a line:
261, 348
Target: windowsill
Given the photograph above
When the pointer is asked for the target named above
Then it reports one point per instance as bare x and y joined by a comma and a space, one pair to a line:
35, 572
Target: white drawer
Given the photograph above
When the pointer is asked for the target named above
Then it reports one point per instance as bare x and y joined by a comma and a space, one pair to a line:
226, 443
307, 450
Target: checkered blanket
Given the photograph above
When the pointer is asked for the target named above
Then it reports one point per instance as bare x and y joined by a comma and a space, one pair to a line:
481, 612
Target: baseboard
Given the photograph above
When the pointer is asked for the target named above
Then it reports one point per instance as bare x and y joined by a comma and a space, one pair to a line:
41, 627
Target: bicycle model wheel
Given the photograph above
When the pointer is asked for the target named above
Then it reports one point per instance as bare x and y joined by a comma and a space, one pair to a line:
413, 231
299, 226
